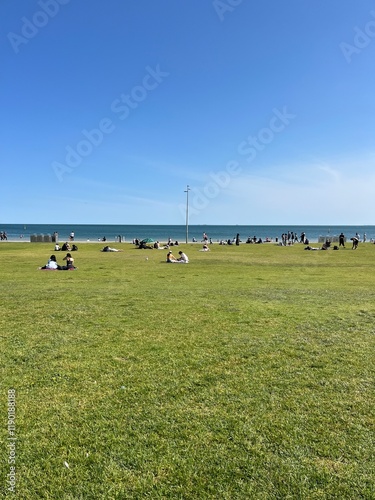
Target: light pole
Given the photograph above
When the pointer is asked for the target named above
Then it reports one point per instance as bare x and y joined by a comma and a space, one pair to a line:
187, 212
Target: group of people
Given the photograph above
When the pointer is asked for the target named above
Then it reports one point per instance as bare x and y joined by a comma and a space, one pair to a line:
53, 265
342, 239
355, 240
66, 247
255, 240
3, 235
291, 237
183, 258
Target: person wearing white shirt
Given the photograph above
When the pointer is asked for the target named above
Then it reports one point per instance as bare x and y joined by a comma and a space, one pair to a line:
183, 258
51, 264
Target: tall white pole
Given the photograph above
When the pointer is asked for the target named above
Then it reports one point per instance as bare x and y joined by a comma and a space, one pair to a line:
187, 213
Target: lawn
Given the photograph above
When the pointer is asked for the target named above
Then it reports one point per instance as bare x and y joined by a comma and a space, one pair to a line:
246, 374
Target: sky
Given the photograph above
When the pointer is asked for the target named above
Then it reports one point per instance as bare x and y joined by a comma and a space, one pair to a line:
244, 112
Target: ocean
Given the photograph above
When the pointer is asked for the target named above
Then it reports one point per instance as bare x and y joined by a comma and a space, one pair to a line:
95, 232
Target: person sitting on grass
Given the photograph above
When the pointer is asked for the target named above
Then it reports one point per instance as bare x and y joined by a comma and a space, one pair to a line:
183, 258
51, 264
170, 257
65, 247
69, 263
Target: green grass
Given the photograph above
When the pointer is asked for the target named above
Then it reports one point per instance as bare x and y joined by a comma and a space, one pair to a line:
246, 374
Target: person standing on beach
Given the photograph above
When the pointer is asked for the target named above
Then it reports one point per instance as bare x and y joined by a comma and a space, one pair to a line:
342, 240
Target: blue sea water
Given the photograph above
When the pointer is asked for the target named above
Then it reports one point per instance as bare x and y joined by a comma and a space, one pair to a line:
94, 232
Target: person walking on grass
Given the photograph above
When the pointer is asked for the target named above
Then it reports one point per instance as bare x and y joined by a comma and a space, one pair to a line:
355, 241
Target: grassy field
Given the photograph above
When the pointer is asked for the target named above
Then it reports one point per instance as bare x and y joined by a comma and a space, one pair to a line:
246, 374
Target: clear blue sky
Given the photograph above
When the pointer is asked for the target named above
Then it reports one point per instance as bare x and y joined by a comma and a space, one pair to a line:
264, 108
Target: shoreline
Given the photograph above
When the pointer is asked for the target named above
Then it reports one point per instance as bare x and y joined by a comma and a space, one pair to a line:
127, 233
116, 242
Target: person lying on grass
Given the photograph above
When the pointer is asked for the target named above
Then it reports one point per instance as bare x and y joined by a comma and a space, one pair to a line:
109, 249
